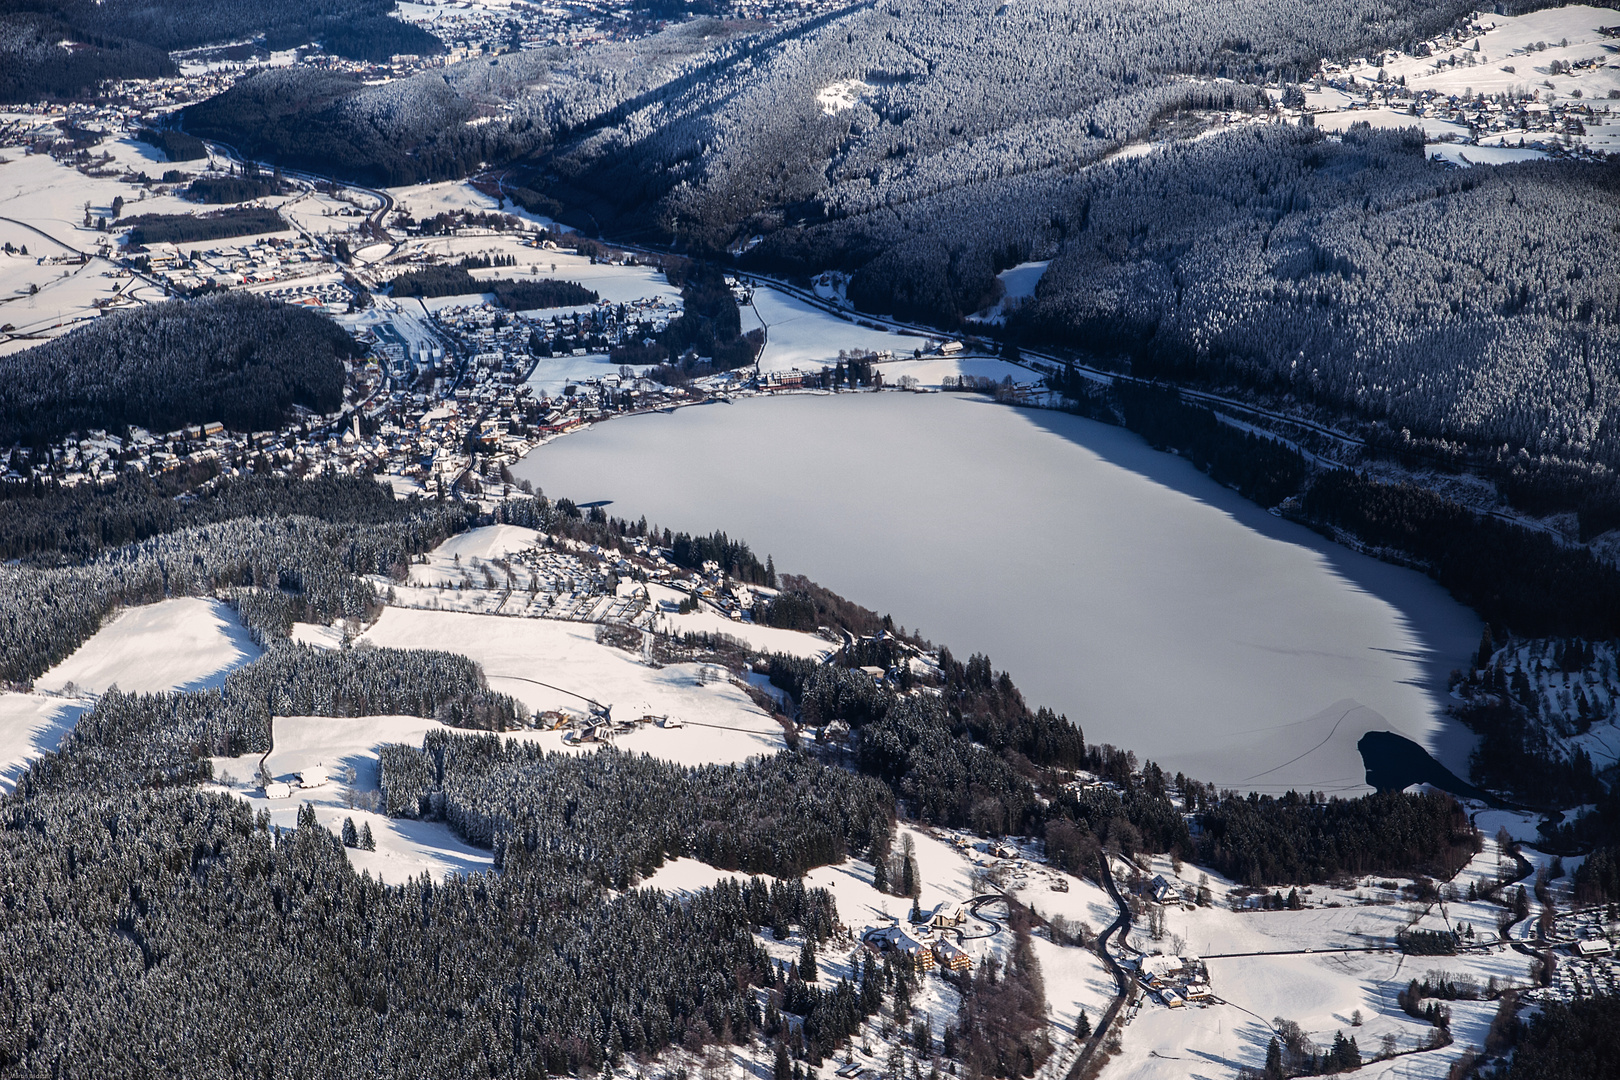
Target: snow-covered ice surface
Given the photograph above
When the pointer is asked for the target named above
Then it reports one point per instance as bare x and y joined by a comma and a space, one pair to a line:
547, 664
799, 335
184, 644
1120, 586
31, 725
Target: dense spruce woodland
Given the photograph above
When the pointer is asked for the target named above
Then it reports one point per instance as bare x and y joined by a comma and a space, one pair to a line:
612, 818
1349, 272
235, 358
514, 294
186, 906
277, 569
1580, 1039
45, 524
218, 225
124, 39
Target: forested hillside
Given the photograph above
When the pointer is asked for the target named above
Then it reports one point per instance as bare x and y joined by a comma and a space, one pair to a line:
233, 357
132, 38
1482, 304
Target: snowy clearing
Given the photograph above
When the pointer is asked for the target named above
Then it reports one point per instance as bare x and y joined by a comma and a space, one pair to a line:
31, 725
547, 665
801, 336
184, 644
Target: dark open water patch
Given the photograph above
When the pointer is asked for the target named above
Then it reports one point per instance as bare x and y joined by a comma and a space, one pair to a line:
1395, 762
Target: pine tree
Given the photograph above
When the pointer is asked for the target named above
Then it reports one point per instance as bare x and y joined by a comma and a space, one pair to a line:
880, 875
1274, 1062
367, 843
784, 1066
351, 837
807, 961
1082, 1026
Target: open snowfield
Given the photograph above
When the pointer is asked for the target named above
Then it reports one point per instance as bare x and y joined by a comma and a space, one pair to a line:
723, 725
1390, 119
1512, 42
553, 374
1017, 284
31, 725
1120, 586
184, 644
758, 638
801, 336
931, 372
447, 561
405, 848
1481, 155
1269, 964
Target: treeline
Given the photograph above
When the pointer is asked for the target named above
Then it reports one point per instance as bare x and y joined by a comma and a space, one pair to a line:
153, 740
706, 338
34, 66
1261, 469
531, 295
614, 818
50, 525
734, 557
233, 357
975, 756
1575, 1040
231, 189
194, 921
1514, 577
176, 145
1259, 839
514, 294
293, 568
189, 228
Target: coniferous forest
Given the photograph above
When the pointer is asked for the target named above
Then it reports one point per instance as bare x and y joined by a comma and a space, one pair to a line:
235, 358
188, 907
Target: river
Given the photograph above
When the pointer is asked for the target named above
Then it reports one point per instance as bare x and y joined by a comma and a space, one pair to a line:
1120, 586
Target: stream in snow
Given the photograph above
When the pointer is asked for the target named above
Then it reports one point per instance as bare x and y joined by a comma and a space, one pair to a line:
1160, 611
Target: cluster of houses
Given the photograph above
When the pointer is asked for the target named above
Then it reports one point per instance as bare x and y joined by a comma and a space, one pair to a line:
1176, 981
925, 942
1590, 967
262, 261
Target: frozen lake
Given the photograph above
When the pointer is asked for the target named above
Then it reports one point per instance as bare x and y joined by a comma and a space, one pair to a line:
1158, 610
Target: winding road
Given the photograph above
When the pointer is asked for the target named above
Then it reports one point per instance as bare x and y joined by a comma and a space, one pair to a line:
1127, 985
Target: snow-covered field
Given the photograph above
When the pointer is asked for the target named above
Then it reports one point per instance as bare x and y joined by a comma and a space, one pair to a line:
405, 848
449, 559
547, 664
801, 336
1557, 55
1017, 284
184, 644
1265, 965
31, 725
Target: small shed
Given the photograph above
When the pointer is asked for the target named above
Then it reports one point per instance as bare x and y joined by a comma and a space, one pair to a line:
277, 790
